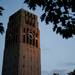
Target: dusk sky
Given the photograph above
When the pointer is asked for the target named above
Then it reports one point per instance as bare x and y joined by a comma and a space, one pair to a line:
56, 53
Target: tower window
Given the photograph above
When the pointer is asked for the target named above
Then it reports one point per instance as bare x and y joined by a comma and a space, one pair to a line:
33, 41
27, 29
23, 38
23, 57
37, 35
30, 23
27, 22
36, 43
23, 66
24, 30
27, 39
33, 24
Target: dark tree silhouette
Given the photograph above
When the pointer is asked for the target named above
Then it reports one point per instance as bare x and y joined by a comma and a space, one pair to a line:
72, 73
1, 24
55, 73
59, 12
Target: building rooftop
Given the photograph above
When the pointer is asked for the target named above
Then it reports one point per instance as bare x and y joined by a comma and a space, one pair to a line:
22, 10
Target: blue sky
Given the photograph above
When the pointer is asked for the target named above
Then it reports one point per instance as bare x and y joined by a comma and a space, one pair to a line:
56, 52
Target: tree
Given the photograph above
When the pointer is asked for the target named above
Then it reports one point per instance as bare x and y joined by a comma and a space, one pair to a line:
59, 12
1, 24
72, 73
55, 73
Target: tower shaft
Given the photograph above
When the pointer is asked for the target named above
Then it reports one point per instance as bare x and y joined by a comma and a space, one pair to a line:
22, 45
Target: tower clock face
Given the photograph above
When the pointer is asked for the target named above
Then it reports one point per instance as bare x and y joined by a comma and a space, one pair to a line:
30, 35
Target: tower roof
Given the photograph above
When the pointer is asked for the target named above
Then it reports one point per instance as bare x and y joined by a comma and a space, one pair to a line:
21, 11
24, 13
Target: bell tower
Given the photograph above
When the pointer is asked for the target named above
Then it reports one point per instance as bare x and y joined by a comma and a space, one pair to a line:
22, 45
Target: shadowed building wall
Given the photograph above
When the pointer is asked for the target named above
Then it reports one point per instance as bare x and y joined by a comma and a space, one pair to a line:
22, 45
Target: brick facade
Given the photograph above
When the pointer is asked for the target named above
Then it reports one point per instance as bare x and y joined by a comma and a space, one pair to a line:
22, 45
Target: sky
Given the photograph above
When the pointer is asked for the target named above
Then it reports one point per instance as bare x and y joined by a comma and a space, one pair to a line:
56, 52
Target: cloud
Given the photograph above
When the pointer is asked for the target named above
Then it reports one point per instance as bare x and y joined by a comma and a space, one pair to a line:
67, 66
70, 64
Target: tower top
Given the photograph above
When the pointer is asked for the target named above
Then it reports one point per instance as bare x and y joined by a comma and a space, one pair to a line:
23, 11
25, 17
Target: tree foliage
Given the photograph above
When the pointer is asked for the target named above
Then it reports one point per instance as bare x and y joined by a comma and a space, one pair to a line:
55, 73
72, 73
59, 12
1, 24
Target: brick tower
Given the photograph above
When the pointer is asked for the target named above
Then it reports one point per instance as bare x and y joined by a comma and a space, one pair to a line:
22, 45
